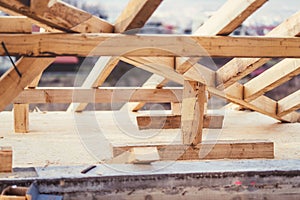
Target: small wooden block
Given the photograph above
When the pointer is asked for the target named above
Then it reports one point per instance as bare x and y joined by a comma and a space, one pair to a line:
174, 122
21, 118
144, 155
210, 150
5, 159
137, 155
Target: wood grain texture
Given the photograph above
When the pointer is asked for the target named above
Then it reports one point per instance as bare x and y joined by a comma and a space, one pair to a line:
58, 15
271, 78
289, 104
6, 155
21, 118
210, 150
192, 112
15, 24
238, 68
174, 122
12, 85
101, 95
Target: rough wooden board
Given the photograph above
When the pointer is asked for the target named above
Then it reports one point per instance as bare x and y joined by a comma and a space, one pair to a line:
21, 118
58, 15
237, 68
211, 150
17, 24
12, 85
289, 104
101, 95
192, 112
50, 44
271, 78
135, 14
174, 121
6, 159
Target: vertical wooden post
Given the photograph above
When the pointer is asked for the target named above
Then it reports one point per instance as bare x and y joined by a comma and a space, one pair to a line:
192, 112
21, 118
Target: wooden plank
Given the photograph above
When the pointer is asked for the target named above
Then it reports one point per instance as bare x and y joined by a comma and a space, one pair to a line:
210, 150
21, 118
192, 112
6, 155
271, 78
135, 15
50, 44
289, 104
58, 15
174, 122
229, 17
237, 68
176, 108
12, 85
16, 24
101, 95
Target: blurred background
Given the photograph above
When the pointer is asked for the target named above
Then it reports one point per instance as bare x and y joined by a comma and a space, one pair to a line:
172, 17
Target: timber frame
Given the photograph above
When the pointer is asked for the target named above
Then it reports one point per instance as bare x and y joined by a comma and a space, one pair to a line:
71, 31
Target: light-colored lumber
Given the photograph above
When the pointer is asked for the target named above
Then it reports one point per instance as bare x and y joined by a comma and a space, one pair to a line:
289, 104
271, 78
240, 67
6, 155
155, 81
15, 24
226, 20
50, 44
135, 15
192, 112
162, 67
101, 95
21, 118
58, 15
210, 150
229, 17
174, 121
138, 155
12, 85
176, 108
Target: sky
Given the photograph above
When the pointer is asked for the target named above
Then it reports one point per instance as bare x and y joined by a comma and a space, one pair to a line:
185, 12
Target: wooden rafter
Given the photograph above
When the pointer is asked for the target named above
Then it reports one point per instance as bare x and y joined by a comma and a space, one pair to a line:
58, 15
271, 78
289, 104
135, 15
238, 68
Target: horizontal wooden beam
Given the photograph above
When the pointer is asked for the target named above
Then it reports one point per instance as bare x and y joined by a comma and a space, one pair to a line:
210, 150
174, 122
51, 44
17, 24
101, 95
271, 78
289, 104
58, 14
